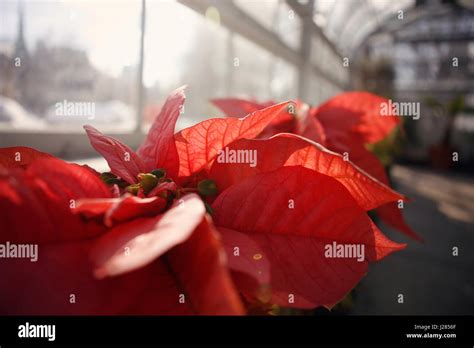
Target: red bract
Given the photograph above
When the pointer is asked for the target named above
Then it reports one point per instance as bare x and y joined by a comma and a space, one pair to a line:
294, 150
293, 240
169, 263
159, 149
235, 107
355, 115
276, 219
345, 124
19, 156
200, 144
301, 202
241, 207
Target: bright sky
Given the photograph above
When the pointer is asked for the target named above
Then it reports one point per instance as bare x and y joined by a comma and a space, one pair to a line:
109, 30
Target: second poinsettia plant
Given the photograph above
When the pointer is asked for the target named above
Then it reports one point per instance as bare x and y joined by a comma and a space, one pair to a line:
347, 124
218, 218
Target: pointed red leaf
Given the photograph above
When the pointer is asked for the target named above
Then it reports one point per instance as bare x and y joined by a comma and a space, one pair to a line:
194, 257
200, 144
45, 192
367, 161
201, 267
159, 148
20, 156
17, 199
389, 212
294, 150
295, 239
64, 270
116, 210
236, 107
357, 113
250, 268
147, 241
122, 160
185, 281
285, 122
67, 180
310, 128
391, 215
194, 269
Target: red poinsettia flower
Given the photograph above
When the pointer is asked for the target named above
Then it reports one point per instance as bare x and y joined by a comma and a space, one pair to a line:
276, 217
162, 263
251, 249
345, 124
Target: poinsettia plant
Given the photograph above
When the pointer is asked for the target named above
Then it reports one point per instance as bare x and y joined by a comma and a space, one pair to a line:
177, 228
347, 123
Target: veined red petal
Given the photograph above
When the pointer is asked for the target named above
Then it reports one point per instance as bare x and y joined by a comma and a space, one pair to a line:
201, 267
388, 212
186, 281
20, 156
391, 215
122, 160
18, 199
159, 148
68, 180
199, 145
310, 128
64, 270
357, 113
236, 107
250, 267
299, 213
291, 150
117, 210
366, 160
45, 192
146, 240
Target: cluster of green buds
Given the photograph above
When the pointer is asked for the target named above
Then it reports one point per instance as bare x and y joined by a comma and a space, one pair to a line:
148, 181
111, 179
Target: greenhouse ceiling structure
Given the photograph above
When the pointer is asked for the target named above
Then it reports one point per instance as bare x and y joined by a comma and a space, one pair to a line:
423, 39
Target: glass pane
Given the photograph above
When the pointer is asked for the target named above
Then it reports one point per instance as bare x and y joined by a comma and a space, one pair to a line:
79, 68
185, 47
263, 11
252, 59
275, 16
